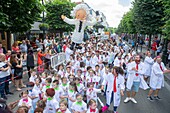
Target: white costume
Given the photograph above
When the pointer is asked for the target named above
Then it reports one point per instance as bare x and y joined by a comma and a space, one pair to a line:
71, 94
119, 86
92, 94
58, 92
51, 106
133, 78
148, 62
78, 33
157, 76
67, 111
68, 52
79, 107
118, 62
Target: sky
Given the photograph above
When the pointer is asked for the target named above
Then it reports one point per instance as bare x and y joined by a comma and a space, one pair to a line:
112, 9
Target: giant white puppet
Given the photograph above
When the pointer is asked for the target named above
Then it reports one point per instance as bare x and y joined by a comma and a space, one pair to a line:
81, 18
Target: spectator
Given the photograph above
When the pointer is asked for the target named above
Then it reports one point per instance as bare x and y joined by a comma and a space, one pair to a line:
2, 49
46, 42
30, 62
8, 55
18, 71
159, 49
28, 45
147, 41
15, 46
4, 72
154, 48
23, 47
40, 60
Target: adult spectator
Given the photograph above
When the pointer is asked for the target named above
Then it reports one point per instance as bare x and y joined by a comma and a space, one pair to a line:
15, 47
8, 55
46, 41
28, 44
2, 49
40, 60
23, 47
18, 71
30, 62
154, 48
4, 73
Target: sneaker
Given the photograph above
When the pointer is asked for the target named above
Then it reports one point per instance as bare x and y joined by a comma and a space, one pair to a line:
127, 99
4, 97
133, 100
10, 93
150, 98
157, 98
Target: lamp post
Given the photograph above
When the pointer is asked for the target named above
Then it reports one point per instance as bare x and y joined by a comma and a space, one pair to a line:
43, 19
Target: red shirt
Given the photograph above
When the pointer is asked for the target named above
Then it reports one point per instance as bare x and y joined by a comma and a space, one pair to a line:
154, 46
64, 47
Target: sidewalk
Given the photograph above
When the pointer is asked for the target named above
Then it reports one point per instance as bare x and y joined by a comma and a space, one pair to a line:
144, 49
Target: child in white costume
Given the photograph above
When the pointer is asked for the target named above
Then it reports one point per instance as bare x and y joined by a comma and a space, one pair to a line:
92, 107
115, 87
91, 92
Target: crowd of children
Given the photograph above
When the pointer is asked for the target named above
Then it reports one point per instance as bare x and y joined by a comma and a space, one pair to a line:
92, 68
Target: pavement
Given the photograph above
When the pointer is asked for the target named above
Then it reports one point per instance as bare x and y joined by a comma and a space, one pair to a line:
143, 105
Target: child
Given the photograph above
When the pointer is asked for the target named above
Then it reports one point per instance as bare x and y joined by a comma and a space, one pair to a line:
92, 107
41, 104
64, 86
63, 107
91, 78
25, 101
72, 91
79, 106
46, 86
80, 75
58, 91
33, 77
91, 92
43, 78
68, 71
56, 77
115, 87
80, 86
71, 78
38, 110
51, 105
61, 71
36, 92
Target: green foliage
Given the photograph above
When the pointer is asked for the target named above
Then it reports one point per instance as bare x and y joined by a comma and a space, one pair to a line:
56, 8
148, 16
166, 27
44, 25
18, 15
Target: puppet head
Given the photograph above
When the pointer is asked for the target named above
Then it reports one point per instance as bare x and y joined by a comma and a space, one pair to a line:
81, 12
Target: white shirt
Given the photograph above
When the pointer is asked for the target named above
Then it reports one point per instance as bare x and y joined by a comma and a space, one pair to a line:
27, 103
51, 106
79, 108
4, 73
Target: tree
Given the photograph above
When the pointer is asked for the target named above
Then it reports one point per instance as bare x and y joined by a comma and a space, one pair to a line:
148, 16
18, 15
55, 9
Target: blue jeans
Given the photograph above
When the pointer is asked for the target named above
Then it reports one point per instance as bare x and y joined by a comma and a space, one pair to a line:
2, 86
7, 84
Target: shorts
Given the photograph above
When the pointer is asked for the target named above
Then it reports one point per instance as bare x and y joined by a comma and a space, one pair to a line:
135, 87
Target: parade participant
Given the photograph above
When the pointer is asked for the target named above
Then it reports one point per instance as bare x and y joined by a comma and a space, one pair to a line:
51, 105
115, 87
72, 91
35, 93
91, 78
135, 79
92, 107
38, 110
79, 106
148, 62
88, 61
157, 78
80, 86
82, 19
25, 100
46, 86
118, 61
64, 85
61, 71
91, 92
58, 91
68, 71
63, 107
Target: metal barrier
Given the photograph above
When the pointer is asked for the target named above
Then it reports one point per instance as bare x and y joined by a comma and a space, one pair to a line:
57, 60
